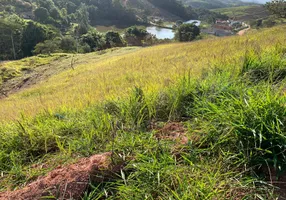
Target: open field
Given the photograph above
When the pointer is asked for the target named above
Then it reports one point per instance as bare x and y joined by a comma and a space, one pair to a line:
198, 120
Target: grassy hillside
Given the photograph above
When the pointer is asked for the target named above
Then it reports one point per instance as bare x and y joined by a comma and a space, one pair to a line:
245, 13
116, 75
224, 97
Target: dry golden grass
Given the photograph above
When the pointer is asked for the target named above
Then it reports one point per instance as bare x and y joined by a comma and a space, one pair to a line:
113, 74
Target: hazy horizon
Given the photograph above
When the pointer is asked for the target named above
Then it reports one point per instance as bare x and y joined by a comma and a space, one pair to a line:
257, 1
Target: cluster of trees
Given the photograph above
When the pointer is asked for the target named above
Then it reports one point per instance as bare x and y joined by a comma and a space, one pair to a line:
277, 7
21, 39
91, 11
61, 13
213, 4
15, 6
18, 38
278, 10
187, 32
65, 26
94, 41
35, 38
175, 7
209, 16
48, 13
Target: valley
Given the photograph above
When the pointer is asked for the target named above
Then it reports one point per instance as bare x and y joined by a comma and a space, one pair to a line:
133, 100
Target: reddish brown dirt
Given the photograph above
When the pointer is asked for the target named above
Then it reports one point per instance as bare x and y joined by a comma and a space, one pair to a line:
242, 32
68, 182
173, 131
277, 181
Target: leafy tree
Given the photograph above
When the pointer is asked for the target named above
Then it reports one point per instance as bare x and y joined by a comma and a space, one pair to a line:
84, 48
82, 17
71, 7
113, 39
92, 10
277, 7
81, 29
33, 34
94, 39
55, 13
68, 44
175, 7
48, 4
209, 16
11, 39
187, 32
136, 32
111, 10
135, 36
41, 14
47, 47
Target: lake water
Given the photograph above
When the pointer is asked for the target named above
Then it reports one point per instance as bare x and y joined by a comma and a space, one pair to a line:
164, 33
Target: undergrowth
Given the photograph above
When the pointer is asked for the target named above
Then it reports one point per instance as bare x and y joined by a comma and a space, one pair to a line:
237, 113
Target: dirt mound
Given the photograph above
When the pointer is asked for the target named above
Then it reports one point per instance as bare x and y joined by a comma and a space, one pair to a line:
68, 182
173, 131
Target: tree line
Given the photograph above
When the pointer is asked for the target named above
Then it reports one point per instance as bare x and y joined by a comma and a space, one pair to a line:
21, 38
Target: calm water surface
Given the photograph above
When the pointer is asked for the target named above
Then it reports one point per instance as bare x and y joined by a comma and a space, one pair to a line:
164, 33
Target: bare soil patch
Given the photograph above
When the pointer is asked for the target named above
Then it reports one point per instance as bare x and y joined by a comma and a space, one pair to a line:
69, 182
173, 131
34, 75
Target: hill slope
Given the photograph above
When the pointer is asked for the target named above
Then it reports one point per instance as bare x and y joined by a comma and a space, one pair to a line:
245, 13
134, 69
199, 120
212, 4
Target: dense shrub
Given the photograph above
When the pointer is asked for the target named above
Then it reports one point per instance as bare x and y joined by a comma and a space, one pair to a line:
135, 35
113, 39
187, 32
47, 47
68, 44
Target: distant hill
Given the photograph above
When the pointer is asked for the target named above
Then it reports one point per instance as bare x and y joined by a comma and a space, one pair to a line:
213, 4
256, 1
245, 13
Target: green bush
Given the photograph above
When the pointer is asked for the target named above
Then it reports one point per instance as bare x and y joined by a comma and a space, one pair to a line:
187, 32
47, 47
113, 39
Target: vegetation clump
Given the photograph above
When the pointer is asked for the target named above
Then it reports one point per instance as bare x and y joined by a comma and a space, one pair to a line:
187, 32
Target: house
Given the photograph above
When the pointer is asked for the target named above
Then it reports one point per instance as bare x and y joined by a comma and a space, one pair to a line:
218, 21
223, 27
235, 24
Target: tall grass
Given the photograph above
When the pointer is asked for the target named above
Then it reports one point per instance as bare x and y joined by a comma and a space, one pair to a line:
234, 114
115, 74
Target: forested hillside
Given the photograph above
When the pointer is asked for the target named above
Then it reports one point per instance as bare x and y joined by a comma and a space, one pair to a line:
29, 27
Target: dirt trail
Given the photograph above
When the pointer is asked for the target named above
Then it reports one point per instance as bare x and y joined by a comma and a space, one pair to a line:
242, 32
42, 73
35, 75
